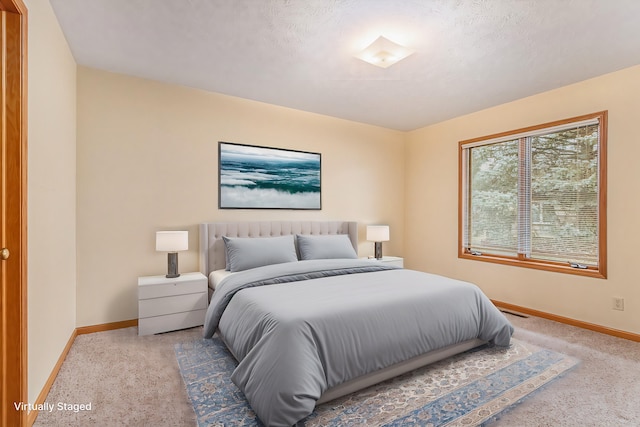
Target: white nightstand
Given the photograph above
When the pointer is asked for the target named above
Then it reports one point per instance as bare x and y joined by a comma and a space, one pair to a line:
392, 260
171, 304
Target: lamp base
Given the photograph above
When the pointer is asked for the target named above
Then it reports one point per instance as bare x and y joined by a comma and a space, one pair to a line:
172, 265
378, 250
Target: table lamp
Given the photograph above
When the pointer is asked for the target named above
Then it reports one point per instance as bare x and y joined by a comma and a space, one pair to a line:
378, 234
172, 242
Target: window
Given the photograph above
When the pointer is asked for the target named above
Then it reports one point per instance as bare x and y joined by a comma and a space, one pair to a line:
536, 197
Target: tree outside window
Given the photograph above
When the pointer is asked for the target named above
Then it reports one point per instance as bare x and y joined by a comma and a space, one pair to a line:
536, 197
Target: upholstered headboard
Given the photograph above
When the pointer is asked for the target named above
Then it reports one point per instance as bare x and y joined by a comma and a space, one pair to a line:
212, 253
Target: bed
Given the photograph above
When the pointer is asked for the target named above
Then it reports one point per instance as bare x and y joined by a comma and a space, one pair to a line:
309, 321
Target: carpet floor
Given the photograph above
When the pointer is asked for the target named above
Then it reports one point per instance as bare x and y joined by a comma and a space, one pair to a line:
135, 381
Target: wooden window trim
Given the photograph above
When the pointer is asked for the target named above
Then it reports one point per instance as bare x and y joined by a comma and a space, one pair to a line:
520, 260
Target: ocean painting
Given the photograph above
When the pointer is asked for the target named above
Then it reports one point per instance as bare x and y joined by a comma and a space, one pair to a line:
254, 177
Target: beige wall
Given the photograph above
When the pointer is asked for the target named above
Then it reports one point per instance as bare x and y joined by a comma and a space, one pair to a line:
147, 161
432, 203
51, 194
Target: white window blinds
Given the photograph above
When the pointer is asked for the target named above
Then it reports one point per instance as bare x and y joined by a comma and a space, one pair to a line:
534, 194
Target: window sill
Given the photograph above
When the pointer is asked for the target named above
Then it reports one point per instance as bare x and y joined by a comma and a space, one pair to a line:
538, 265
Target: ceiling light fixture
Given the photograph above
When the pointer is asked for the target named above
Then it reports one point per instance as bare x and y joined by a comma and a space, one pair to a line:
384, 53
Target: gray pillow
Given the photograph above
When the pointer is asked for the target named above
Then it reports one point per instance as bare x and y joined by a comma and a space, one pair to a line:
325, 247
244, 253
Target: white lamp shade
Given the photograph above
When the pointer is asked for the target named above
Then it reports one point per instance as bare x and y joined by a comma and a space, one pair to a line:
172, 241
377, 233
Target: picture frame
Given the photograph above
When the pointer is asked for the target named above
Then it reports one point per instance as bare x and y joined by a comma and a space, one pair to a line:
256, 177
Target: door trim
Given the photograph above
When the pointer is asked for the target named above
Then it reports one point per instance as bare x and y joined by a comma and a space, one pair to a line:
13, 218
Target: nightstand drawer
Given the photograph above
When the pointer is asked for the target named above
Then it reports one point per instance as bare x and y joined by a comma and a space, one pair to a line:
170, 289
171, 322
390, 260
174, 304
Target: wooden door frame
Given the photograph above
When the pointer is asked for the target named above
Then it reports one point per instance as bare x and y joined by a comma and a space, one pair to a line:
13, 213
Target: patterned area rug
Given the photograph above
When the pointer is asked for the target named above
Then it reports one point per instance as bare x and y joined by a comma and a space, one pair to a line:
464, 390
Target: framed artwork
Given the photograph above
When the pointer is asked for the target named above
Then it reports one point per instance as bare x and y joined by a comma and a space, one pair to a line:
253, 177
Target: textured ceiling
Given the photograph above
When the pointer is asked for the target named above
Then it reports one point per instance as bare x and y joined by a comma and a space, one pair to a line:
470, 54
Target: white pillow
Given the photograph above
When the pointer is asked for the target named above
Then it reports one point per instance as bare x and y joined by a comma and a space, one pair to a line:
216, 277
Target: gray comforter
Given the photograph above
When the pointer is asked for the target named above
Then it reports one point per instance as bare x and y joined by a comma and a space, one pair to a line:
298, 329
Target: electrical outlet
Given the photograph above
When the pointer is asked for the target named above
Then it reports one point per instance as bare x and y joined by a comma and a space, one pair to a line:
618, 303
